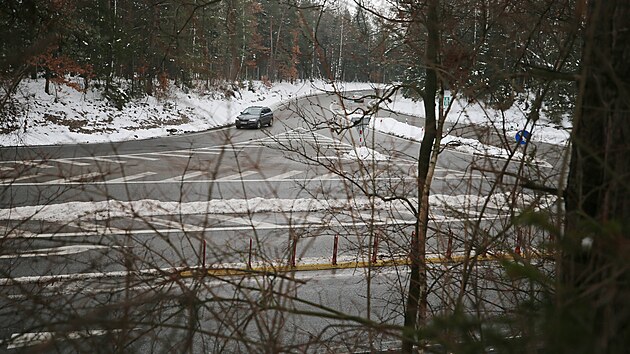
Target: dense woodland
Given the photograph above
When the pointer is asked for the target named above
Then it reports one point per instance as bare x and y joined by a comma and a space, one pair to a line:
489, 49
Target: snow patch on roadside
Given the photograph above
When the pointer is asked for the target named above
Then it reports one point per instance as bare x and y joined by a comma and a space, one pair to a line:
70, 117
468, 146
365, 154
104, 210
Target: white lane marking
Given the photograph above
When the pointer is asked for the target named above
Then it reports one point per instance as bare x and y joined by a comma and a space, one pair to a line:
307, 219
139, 157
84, 177
186, 176
217, 150
20, 340
125, 179
169, 154
11, 180
221, 148
71, 162
257, 225
29, 279
102, 159
87, 177
459, 176
38, 164
254, 146
237, 176
55, 251
285, 175
328, 176
92, 227
208, 152
174, 225
368, 216
243, 221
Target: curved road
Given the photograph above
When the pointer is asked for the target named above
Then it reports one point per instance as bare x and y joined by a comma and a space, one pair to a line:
299, 158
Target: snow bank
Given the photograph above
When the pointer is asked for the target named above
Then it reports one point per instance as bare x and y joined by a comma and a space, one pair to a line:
105, 210
68, 116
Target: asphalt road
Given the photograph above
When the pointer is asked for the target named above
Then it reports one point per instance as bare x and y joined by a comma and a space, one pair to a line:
82, 259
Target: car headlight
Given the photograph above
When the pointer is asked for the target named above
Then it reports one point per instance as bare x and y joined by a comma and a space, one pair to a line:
253, 120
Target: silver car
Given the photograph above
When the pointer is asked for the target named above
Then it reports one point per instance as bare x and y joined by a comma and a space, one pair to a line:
255, 117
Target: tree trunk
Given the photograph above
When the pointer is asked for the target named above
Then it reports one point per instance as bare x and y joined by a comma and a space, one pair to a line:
595, 276
416, 306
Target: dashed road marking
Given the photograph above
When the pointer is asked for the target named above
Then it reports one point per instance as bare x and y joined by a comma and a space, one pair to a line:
186, 176
286, 175
174, 225
237, 176
125, 179
328, 176
71, 161
93, 227
22, 178
80, 178
245, 221
38, 164
102, 159
208, 152
139, 157
170, 154
245, 226
54, 251
20, 340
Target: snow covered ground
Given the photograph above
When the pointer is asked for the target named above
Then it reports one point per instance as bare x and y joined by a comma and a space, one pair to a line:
69, 116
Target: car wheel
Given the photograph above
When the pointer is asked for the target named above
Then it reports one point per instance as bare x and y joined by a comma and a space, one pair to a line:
270, 121
258, 124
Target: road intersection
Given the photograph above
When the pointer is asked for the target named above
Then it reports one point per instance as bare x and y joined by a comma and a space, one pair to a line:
185, 202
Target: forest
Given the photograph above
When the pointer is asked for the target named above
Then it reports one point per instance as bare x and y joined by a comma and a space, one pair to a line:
491, 50
567, 291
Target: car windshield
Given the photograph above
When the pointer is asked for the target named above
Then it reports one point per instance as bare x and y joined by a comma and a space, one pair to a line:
253, 110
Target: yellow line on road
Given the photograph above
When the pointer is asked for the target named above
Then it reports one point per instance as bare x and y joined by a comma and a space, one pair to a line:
266, 269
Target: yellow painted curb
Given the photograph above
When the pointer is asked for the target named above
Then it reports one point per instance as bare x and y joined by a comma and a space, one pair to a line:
340, 265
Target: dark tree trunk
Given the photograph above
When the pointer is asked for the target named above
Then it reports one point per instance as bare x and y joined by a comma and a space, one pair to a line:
594, 293
416, 306
47, 75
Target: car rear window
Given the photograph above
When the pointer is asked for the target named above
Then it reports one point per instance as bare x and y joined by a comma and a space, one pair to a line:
252, 110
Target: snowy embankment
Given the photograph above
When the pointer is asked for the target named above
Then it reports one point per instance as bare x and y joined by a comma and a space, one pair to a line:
468, 146
509, 121
68, 116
